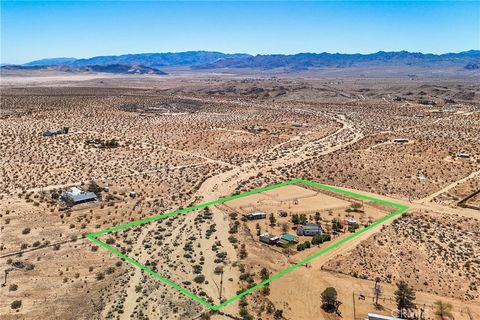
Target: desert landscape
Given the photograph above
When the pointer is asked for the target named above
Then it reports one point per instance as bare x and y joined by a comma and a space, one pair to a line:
87, 152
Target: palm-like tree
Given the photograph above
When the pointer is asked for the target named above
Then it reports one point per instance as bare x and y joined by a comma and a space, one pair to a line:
443, 310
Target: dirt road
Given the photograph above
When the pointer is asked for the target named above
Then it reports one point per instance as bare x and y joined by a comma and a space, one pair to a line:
225, 183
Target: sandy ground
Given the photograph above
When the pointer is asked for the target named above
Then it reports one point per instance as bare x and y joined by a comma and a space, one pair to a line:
285, 198
198, 150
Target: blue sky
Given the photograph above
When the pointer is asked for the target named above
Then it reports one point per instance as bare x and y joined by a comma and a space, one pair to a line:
45, 29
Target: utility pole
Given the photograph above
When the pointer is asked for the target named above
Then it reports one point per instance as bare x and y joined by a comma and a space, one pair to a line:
354, 313
221, 285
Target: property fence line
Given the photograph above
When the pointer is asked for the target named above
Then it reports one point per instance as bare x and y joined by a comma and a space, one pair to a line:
424, 309
249, 208
272, 195
41, 247
301, 197
270, 202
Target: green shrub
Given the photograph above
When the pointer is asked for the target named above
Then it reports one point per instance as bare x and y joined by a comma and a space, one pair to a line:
16, 304
199, 279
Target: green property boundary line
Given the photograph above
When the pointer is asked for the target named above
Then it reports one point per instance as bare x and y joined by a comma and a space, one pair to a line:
93, 236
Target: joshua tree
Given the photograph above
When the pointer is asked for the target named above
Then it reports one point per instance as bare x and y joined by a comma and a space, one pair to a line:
16, 304
278, 314
329, 300
336, 225
328, 228
295, 219
317, 217
264, 274
356, 206
244, 314
443, 309
405, 297
303, 218
93, 187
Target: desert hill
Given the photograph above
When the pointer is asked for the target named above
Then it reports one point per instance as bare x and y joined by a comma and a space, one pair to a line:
110, 68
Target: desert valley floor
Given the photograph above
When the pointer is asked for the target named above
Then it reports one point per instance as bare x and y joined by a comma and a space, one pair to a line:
147, 145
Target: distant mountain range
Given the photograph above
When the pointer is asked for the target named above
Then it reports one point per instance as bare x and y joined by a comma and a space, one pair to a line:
109, 68
149, 63
155, 60
304, 61
49, 62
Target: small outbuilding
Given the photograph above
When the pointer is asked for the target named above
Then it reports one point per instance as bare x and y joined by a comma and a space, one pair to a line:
255, 130
268, 238
282, 213
351, 221
463, 155
297, 124
286, 239
256, 215
54, 132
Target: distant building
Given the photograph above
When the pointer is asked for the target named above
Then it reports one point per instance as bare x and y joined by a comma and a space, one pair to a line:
255, 130
53, 132
77, 196
400, 140
297, 124
463, 155
256, 215
309, 229
422, 178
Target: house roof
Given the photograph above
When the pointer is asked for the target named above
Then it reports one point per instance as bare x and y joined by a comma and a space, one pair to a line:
83, 196
53, 131
75, 191
288, 237
311, 226
381, 317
